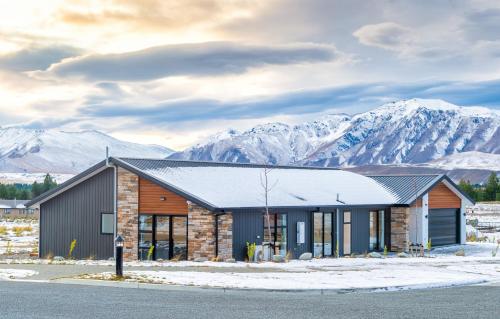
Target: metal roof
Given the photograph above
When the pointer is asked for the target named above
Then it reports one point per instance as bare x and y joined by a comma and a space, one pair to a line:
232, 186
402, 188
407, 188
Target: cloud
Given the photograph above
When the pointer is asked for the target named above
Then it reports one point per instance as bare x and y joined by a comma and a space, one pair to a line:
353, 99
202, 59
482, 24
36, 58
387, 35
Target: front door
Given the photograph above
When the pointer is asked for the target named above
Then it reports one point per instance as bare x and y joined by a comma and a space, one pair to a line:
323, 234
162, 237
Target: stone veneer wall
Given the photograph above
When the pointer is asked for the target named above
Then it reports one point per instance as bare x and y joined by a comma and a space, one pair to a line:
128, 212
201, 233
226, 236
400, 228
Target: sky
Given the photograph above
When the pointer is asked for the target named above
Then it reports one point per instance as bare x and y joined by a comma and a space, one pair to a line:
174, 72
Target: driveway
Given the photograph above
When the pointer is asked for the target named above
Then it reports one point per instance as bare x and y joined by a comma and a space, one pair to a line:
46, 300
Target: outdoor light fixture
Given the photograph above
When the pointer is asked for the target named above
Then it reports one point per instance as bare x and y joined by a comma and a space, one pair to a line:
163, 198
119, 255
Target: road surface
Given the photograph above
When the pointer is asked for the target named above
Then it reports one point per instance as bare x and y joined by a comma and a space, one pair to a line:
50, 300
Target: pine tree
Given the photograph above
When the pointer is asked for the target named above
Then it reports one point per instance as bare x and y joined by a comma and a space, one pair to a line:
468, 189
492, 187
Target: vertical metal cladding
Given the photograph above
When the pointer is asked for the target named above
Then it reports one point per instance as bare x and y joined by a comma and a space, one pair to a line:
76, 214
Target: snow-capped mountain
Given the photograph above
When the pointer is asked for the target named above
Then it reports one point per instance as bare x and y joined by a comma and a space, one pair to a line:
468, 160
54, 151
407, 131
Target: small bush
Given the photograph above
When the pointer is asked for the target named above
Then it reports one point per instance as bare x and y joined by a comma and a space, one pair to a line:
71, 248
386, 251
251, 251
150, 252
3, 230
289, 256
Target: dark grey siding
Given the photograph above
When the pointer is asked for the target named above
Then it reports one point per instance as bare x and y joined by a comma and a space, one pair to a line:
76, 214
248, 226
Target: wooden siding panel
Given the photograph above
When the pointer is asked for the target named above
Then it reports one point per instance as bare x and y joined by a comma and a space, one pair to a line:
150, 195
442, 197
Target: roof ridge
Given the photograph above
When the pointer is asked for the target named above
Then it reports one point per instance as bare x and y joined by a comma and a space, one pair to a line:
229, 164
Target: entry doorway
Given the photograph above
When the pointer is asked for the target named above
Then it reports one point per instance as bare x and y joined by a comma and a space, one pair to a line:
323, 234
162, 237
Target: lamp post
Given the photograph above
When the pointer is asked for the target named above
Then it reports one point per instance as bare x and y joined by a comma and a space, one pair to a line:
119, 256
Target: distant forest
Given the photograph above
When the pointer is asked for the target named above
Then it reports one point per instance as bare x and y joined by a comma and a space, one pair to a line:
26, 191
488, 192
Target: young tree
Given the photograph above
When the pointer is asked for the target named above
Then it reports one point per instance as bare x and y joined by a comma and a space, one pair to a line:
492, 188
267, 188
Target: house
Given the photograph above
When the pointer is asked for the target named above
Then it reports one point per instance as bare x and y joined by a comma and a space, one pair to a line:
16, 208
187, 210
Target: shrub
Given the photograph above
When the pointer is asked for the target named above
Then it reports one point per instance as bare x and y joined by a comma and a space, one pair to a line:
289, 256
251, 251
71, 248
386, 251
150, 252
3, 230
9, 248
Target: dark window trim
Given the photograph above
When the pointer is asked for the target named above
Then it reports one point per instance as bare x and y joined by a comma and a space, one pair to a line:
153, 233
100, 230
275, 234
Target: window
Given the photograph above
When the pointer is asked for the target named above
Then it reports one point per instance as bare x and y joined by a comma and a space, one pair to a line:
347, 233
166, 234
376, 230
322, 231
107, 223
278, 239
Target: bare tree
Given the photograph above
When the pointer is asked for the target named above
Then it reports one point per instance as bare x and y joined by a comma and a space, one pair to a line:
267, 188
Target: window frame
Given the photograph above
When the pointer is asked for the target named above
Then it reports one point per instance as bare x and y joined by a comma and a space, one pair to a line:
113, 221
273, 218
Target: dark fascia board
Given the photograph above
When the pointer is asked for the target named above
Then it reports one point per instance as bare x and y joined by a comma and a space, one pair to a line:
163, 184
433, 183
74, 180
309, 208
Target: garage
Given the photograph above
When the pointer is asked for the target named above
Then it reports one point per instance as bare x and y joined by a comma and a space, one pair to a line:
444, 226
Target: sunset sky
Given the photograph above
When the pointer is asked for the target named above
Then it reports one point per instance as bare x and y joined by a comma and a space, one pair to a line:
173, 72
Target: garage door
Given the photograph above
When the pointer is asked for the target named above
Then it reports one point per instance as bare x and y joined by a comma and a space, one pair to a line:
443, 226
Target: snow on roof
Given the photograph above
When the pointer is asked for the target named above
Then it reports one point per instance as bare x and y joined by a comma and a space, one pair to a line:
235, 186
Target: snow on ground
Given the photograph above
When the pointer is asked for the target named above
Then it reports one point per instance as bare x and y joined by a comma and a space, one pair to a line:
24, 241
485, 213
16, 273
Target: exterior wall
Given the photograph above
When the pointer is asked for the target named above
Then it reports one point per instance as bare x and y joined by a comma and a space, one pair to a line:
248, 226
76, 214
201, 233
150, 200
419, 222
225, 238
128, 212
400, 228
442, 197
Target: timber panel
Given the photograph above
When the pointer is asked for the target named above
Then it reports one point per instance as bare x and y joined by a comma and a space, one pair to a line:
442, 197
150, 195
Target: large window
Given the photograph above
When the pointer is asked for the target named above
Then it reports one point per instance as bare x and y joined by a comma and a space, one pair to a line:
162, 237
323, 234
278, 237
347, 232
107, 223
377, 230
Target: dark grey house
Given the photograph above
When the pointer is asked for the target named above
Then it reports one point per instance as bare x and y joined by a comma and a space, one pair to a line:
185, 210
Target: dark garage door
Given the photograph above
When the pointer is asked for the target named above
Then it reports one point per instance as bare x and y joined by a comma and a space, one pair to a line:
443, 226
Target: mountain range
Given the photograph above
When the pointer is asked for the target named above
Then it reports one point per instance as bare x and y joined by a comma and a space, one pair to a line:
409, 135
53, 151
412, 131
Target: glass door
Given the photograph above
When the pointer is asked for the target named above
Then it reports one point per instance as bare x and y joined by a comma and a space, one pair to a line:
322, 234
179, 237
347, 233
162, 237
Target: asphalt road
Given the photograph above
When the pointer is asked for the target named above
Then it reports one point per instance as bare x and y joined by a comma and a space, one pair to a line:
42, 300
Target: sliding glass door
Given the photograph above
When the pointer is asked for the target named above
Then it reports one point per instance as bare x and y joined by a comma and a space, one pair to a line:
162, 237
322, 234
278, 237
